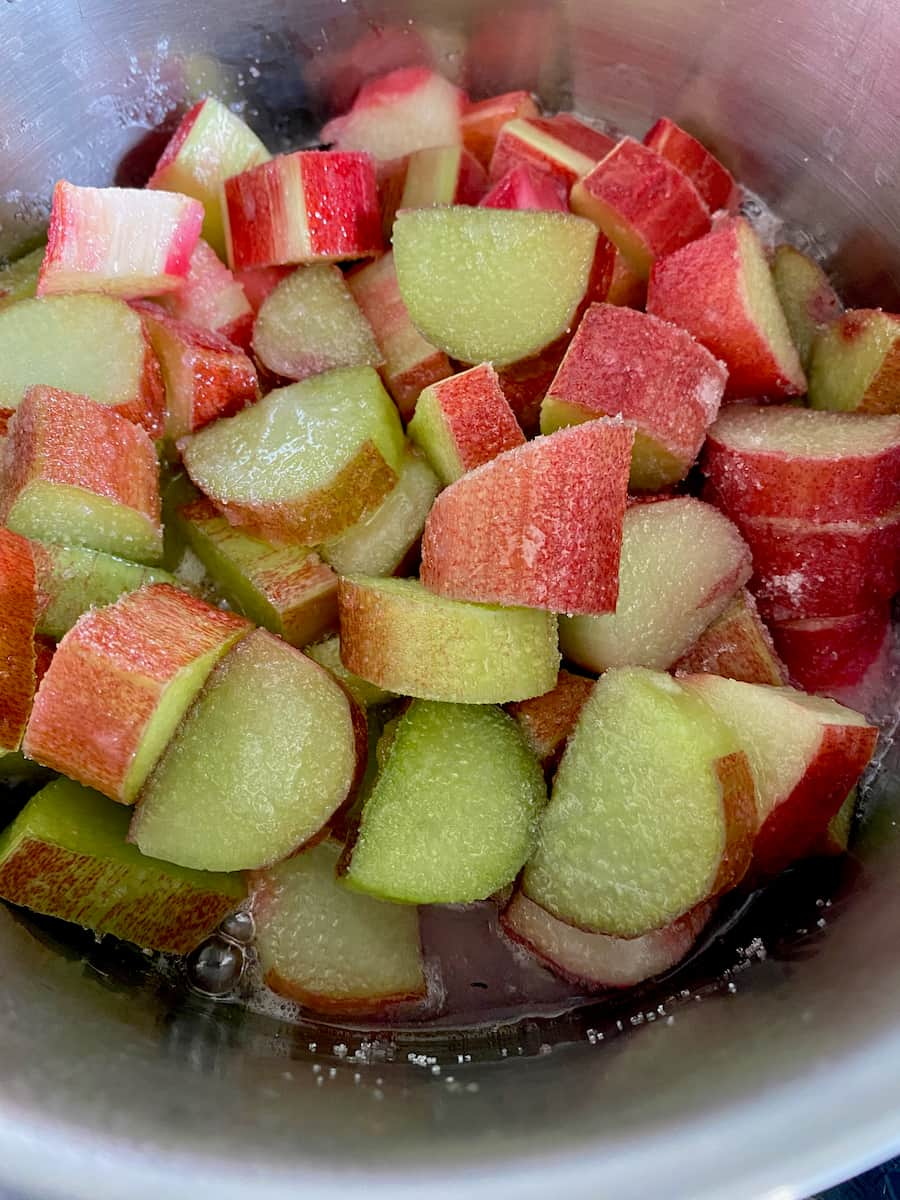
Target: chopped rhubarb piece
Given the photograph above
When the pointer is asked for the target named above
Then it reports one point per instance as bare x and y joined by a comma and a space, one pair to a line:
268, 752
306, 462
121, 681
211, 144
626, 363
482, 121
380, 543
18, 604
643, 204
737, 645
403, 638
65, 856
539, 526
330, 949
406, 110
123, 241
411, 363
212, 298
827, 654
805, 754
790, 462
808, 300
81, 475
391, 179
525, 187
714, 183
286, 589
822, 569
681, 563
311, 323
720, 289
855, 363
652, 812
463, 422
548, 720
596, 960
538, 143
18, 279
72, 579
458, 268
204, 375
92, 345
575, 133
260, 282
309, 206
442, 175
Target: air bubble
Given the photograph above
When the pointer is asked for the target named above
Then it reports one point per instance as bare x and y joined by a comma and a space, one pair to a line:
215, 967
238, 926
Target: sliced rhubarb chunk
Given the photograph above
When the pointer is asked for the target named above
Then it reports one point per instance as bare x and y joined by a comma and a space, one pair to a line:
526, 187
267, 753
652, 810
483, 120
92, 345
286, 589
212, 298
458, 268
855, 363
309, 206
539, 526
122, 241
18, 605
65, 856
406, 110
311, 323
72, 579
643, 204
463, 422
452, 815
808, 300
714, 183
548, 720
304, 463
628, 364
737, 645
330, 949
205, 377
403, 638
805, 753
830, 654
121, 681
720, 289
442, 175
80, 474
379, 543
682, 561
18, 279
596, 960
410, 363
328, 655
536, 142
790, 462
210, 144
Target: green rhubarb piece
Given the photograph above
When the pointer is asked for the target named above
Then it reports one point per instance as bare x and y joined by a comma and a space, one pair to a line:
65, 856
18, 279
452, 815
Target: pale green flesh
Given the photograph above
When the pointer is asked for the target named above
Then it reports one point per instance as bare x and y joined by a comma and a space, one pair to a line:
841, 370
461, 653
91, 876
377, 544
218, 145
428, 429
317, 939
263, 758
488, 285
310, 323
797, 279
328, 655
431, 177
78, 579
296, 439
176, 490
87, 344
451, 817
71, 516
635, 829
18, 280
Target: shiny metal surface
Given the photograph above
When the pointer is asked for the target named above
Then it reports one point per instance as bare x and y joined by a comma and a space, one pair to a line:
784, 1086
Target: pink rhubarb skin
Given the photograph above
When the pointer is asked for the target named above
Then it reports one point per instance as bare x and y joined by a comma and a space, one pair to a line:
714, 183
539, 526
477, 416
548, 720
737, 645
525, 187
828, 654
704, 287
482, 121
212, 298
18, 603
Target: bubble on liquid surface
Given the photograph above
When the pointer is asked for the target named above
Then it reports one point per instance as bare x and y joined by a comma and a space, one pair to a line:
215, 967
238, 926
